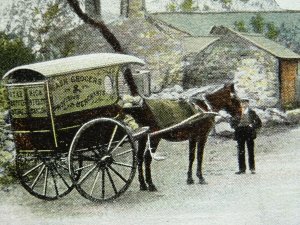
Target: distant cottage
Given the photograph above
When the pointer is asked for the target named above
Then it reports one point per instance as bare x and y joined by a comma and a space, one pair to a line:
213, 53
262, 69
177, 50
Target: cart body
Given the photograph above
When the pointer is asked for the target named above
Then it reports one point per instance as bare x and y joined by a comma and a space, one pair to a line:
49, 101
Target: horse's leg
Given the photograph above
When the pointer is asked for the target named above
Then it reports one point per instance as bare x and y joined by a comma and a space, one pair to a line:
192, 148
148, 160
200, 151
140, 161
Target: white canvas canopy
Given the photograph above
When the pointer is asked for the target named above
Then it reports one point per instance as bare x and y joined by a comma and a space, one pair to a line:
74, 64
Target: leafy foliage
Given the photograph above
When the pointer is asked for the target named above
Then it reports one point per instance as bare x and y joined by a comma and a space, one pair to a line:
272, 31
187, 6
258, 23
171, 7
240, 26
3, 99
13, 52
226, 1
47, 28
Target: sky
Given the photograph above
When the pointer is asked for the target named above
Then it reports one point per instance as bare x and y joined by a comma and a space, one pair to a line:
289, 4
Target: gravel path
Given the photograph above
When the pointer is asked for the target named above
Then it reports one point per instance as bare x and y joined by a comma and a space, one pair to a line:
272, 196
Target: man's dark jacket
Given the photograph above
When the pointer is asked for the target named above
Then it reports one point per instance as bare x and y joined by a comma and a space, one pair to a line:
255, 123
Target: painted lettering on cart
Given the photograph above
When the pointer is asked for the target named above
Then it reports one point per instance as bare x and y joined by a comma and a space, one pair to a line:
83, 90
33, 105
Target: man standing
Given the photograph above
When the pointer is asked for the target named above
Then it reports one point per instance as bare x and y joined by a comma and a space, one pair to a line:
245, 132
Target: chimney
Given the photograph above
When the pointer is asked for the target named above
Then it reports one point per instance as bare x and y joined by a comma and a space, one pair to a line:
133, 8
124, 8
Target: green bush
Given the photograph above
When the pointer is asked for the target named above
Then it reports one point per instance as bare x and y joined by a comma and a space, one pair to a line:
3, 99
187, 6
258, 23
13, 52
272, 31
240, 26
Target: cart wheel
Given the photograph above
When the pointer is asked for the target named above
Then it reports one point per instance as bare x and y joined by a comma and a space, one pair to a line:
44, 175
107, 153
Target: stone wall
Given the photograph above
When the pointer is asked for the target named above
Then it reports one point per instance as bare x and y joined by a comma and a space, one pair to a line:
253, 70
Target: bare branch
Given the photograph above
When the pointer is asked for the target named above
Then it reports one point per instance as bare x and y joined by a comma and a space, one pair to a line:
107, 34
109, 37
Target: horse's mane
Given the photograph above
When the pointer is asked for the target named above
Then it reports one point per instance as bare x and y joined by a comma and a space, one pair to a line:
206, 90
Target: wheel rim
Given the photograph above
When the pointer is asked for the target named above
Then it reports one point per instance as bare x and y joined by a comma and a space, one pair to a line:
44, 175
108, 162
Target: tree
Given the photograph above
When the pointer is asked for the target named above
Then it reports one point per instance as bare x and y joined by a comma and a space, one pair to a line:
240, 26
49, 25
108, 36
187, 6
172, 6
272, 31
13, 52
258, 23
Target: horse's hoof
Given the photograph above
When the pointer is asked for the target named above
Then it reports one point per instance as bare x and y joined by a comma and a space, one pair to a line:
152, 188
202, 181
190, 181
143, 187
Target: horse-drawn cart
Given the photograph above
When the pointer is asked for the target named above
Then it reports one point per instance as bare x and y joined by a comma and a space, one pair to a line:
69, 128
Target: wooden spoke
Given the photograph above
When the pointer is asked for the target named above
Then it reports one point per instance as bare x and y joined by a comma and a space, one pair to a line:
87, 174
118, 174
34, 168
95, 181
103, 184
111, 181
54, 182
95, 174
123, 164
112, 137
123, 153
117, 146
37, 177
62, 178
81, 168
43, 176
83, 150
45, 182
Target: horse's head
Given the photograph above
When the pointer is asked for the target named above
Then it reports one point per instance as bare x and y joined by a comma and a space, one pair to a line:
233, 106
226, 99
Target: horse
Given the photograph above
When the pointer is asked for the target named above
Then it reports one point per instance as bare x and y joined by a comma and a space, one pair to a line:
197, 133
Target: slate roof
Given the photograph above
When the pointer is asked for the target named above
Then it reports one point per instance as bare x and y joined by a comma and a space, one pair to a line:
198, 24
197, 44
259, 41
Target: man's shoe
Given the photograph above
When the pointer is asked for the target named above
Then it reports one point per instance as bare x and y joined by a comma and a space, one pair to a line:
240, 172
252, 171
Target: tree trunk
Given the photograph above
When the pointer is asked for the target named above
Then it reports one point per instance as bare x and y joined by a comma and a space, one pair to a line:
109, 37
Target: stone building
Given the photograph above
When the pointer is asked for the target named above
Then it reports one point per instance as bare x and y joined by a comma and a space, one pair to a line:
177, 52
262, 70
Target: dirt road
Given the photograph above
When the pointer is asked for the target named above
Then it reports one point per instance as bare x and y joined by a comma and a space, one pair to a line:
272, 196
